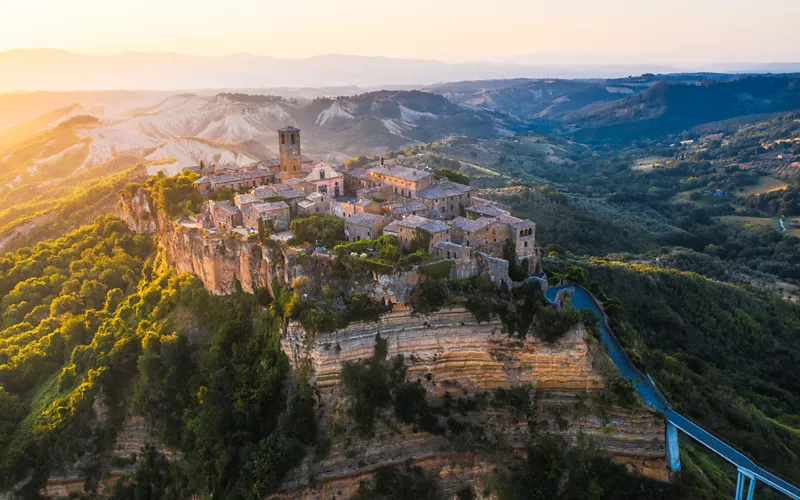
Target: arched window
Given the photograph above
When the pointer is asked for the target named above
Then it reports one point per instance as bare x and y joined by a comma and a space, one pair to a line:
292, 138
522, 232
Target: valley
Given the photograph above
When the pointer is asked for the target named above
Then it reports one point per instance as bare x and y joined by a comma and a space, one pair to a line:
186, 295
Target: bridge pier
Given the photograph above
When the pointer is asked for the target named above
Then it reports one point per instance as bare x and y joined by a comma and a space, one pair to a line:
673, 450
741, 481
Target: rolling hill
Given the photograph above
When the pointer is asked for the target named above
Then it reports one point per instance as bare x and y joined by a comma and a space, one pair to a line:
672, 107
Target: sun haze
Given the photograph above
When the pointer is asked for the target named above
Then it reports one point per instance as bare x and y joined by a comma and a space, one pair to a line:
681, 31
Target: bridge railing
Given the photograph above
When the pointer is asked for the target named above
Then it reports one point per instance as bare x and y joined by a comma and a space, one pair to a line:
657, 392
628, 361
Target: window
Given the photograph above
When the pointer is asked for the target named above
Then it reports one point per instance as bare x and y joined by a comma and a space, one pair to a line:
283, 138
526, 244
322, 174
292, 138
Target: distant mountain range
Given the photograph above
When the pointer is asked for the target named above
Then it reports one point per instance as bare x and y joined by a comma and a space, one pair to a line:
50, 69
667, 107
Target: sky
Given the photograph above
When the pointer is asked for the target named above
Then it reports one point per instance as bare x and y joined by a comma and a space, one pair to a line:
602, 31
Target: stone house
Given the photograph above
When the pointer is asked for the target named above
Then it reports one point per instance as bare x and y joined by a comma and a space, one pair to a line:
369, 206
244, 201
235, 181
374, 193
405, 230
225, 214
364, 226
404, 181
446, 199
271, 211
314, 203
326, 180
300, 184
356, 178
410, 208
479, 233
469, 263
523, 235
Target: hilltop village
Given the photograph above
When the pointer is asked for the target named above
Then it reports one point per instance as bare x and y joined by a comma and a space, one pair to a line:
421, 209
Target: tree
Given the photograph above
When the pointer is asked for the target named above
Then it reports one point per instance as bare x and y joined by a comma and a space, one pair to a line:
453, 176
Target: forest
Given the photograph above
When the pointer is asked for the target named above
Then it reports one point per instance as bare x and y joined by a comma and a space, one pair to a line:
723, 355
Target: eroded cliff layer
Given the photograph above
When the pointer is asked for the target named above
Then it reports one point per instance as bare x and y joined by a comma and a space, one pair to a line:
454, 356
218, 259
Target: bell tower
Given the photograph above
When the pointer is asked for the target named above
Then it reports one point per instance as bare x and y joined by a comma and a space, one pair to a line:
290, 157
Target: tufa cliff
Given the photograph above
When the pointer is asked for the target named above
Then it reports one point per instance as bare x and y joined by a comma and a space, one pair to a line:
455, 357
218, 259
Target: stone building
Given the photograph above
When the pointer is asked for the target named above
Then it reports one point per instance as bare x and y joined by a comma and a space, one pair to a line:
314, 203
244, 201
235, 181
225, 214
326, 180
291, 159
446, 199
523, 235
469, 263
356, 178
479, 233
406, 229
364, 226
272, 211
410, 208
404, 181
369, 206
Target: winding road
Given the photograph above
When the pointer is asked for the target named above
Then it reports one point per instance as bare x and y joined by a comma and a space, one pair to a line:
582, 299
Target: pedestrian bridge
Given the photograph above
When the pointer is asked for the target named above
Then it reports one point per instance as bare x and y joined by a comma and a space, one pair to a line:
749, 471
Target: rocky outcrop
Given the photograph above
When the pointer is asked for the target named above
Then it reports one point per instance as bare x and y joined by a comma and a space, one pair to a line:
451, 354
137, 211
220, 260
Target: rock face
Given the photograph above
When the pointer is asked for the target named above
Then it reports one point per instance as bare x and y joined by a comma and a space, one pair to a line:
137, 212
449, 352
219, 260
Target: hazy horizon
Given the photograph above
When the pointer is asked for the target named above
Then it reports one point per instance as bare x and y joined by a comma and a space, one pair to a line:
519, 31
